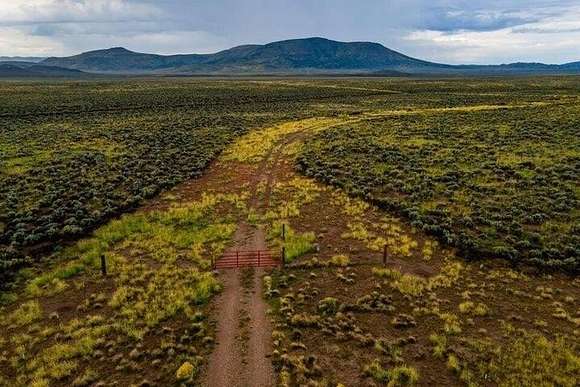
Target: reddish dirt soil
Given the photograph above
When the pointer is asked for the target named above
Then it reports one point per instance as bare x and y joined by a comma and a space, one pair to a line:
225, 363
243, 359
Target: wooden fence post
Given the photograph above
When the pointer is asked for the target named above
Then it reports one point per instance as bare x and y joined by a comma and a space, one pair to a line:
103, 265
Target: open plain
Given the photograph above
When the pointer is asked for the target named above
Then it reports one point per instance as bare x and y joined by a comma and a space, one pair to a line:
431, 232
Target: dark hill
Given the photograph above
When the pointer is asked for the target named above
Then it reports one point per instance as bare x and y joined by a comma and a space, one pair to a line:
572, 66
324, 54
120, 60
297, 56
31, 70
31, 59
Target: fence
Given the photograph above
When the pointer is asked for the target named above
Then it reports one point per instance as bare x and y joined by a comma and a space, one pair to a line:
251, 258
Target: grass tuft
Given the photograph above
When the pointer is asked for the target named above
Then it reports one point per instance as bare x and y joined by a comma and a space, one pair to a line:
398, 376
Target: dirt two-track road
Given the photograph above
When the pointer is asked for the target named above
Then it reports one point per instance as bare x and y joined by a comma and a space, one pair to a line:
243, 338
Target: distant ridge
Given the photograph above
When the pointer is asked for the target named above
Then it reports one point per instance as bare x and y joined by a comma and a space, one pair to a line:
31, 59
296, 56
33, 70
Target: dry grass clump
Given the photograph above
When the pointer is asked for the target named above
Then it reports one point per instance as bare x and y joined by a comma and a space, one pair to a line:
398, 376
413, 285
351, 207
357, 231
474, 309
25, 314
439, 345
451, 324
301, 370
340, 260
269, 290
459, 368
405, 283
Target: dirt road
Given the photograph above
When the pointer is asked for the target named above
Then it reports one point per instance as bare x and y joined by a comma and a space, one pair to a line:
241, 356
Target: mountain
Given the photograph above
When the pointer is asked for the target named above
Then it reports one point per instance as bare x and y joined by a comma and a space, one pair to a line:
32, 70
572, 66
31, 59
315, 54
121, 60
297, 56
311, 55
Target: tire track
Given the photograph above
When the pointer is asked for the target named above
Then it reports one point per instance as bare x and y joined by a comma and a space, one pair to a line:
238, 360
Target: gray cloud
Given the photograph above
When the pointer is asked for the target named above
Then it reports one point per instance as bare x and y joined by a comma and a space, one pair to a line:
441, 30
451, 20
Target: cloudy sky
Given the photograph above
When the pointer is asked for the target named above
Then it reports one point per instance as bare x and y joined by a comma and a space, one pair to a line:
451, 31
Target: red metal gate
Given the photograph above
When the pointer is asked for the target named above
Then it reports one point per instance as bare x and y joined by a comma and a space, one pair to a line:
253, 258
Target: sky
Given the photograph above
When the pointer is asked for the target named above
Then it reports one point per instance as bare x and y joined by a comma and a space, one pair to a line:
447, 31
